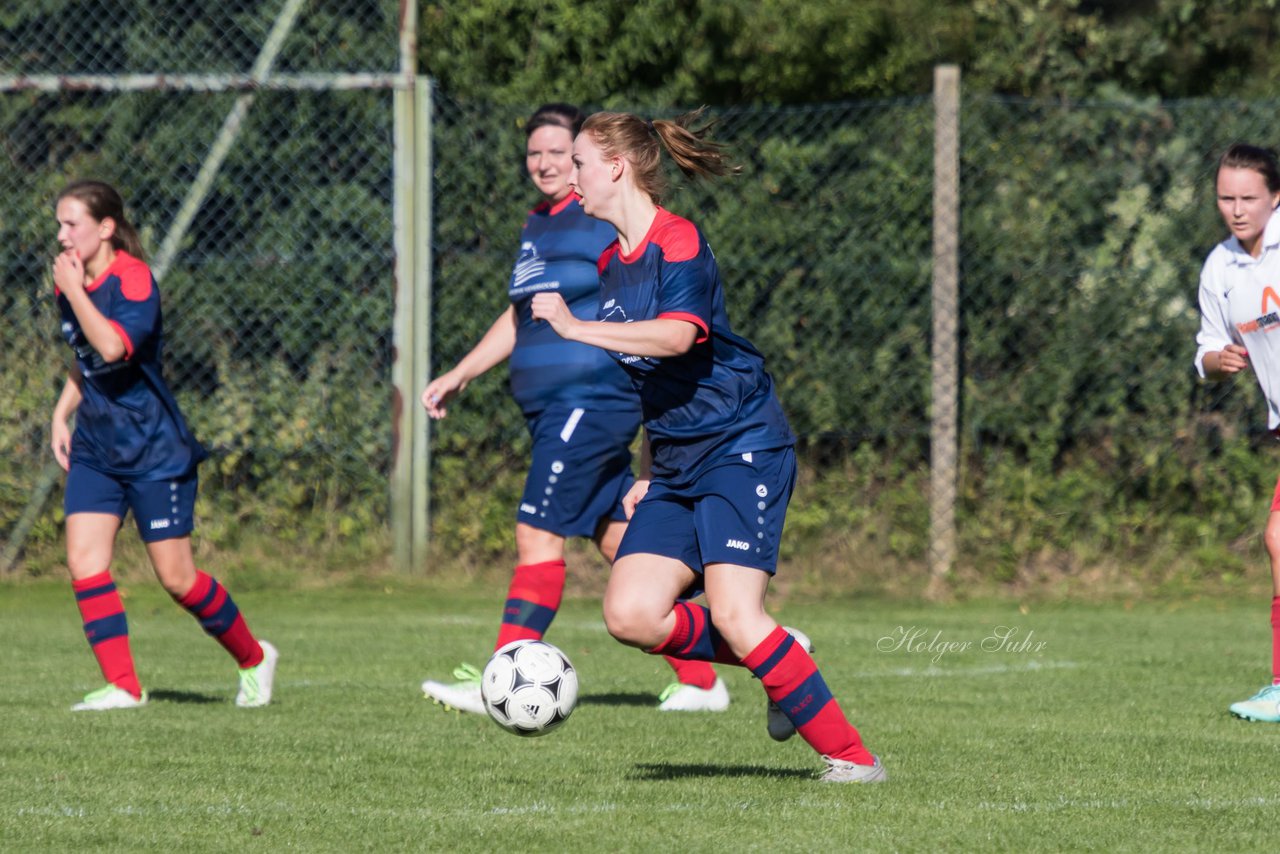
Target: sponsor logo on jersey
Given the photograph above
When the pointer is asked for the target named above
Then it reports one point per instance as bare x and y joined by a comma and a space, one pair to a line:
1269, 321
741, 545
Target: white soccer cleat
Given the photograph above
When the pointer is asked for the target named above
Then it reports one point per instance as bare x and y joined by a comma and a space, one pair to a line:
779, 725
840, 771
107, 698
1263, 706
256, 682
690, 698
463, 695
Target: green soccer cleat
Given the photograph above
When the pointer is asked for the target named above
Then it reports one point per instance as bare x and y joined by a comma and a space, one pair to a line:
109, 697
678, 697
463, 695
256, 682
1263, 706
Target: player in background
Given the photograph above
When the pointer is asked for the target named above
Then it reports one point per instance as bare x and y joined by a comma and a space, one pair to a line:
718, 463
131, 449
1239, 316
580, 409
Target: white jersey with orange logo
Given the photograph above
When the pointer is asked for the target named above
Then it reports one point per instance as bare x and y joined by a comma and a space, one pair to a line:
1240, 304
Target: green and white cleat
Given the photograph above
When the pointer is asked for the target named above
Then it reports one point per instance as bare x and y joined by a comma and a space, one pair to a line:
1263, 706
678, 697
840, 771
463, 695
779, 725
256, 682
109, 697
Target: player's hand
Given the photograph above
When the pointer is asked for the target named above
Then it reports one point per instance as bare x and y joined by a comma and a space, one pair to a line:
550, 306
440, 391
68, 271
60, 441
1232, 359
637, 491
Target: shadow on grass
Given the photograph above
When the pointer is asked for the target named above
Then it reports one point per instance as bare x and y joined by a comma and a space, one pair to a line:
633, 698
184, 697
669, 771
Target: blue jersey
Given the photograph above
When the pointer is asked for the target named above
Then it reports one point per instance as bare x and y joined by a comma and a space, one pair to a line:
128, 424
559, 247
715, 400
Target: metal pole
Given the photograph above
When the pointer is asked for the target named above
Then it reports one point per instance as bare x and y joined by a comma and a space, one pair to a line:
423, 259
946, 275
404, 383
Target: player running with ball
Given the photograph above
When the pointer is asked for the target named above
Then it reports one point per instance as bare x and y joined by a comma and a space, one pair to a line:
581, 412
718, 464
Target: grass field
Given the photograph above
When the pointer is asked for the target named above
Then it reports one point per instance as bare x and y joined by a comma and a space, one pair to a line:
1087, 728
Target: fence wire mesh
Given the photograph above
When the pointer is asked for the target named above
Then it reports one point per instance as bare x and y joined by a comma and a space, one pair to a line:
1082, 229
279, 297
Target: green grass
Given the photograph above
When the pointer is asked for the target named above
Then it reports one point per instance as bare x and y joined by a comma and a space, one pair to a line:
1112, 735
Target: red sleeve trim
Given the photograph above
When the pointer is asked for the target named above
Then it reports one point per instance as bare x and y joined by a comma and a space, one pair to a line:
691, 318
124, 336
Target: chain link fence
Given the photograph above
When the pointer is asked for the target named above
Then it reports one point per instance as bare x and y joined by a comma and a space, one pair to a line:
266, 212
1082, 229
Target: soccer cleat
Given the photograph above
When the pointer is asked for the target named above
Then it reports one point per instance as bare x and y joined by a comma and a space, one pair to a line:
840, 771
678, 697
109, 697
256, 682
779, 725
463, 695
1263, 706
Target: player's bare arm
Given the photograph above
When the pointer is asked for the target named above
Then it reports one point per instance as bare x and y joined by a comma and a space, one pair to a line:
1229, 360
658, 338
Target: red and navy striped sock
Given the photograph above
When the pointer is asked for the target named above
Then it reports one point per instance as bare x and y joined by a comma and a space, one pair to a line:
107, 629
792, 681
533, 598
694, 638
699, 674
211, 604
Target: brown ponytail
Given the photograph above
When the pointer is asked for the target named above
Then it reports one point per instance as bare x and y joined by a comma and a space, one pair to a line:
641, 142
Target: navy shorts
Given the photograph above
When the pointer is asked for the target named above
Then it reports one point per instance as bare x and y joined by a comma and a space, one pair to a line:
162, 509
580, 472
733, 512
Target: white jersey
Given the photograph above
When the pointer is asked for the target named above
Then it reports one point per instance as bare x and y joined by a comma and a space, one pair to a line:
1240, 304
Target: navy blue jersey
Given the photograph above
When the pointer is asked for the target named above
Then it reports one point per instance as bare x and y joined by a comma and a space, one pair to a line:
128, 423
559, 247
717, 399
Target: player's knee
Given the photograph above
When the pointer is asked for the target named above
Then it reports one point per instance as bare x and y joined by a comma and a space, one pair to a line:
1271, 538
628, 624
84, 563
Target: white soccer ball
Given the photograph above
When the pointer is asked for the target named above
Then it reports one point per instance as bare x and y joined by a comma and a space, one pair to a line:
529, 687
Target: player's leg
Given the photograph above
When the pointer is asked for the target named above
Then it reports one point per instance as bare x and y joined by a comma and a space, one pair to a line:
549, 511
165, 512
697, 688
1265, 705
790, 676
90, 540
94, 506
536, 588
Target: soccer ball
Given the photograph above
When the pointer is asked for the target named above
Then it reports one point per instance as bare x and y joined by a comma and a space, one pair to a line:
529, 687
